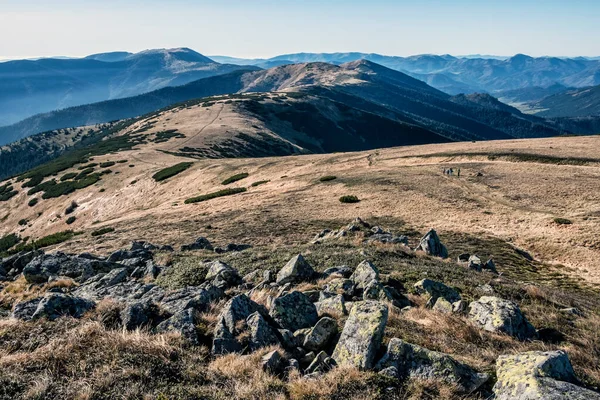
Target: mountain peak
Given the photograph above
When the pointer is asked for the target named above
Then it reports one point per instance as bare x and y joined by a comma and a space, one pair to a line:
180, 53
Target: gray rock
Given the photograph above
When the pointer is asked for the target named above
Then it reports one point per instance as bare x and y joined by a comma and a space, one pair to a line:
374, 290
295, 271
335, 305
321, 334
431, 245
222, 275
254, 277
538, 375
388, 238
294, 311
485, 289
341, 286
436, 289
364, 274
139, 314
503, 316
475, 263
362, 335
313, 295
571, 310
56, 305
271, 362
25, 309
414, 361
288, 340
237, 309
183, 322
293, 365
45, 266
200, 244
232, 247
490, 266
463, 258
261, 333
321, 363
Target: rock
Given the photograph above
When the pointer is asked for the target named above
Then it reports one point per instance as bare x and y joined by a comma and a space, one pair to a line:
56, 305
550, 335
200, 244
364, 274
362, 335
321, 363
115, 276
293, 365
166, 248
334, 305
271, 362
388, 238
142, 245
431, 245
198, 298
239, 308
139, 314
294, 311
341, 286
254, 277
313, 295
18, 261
374, 290
463, 258
261, 333
287, 339
232, 247
398, 299
323, 295
222, 275
132, 258
44, 266
435, 290
321, 334
490, 266
414, 361
344, 271
295, 271
485, 289
25, 309
538, 375
571, 310
183, 322
308, 358
475, 263
269, 276
497, 315
443, 306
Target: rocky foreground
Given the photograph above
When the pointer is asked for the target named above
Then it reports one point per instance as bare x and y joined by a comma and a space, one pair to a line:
309, 323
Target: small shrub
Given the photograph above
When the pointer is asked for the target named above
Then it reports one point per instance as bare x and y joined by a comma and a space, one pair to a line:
8, 241
562, 221
235, 178
68, 176
46, 241
107, 164
102, 190
70, 220
349, 199
214, 195
71, 208
259, 183
84, 173
7, 192
328, 178
131, 165
171, 171
33, 202
23, 222
103, 231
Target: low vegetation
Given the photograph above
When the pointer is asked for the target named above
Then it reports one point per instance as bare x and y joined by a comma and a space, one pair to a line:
33, 202
7, 192
562, 221
171, 171
235, 178
164, 136
214, 195
71, 208
8, 241
107, 164
349, 199
327, 178
68, 176
46, 241
255, 184
70, 220
103, 231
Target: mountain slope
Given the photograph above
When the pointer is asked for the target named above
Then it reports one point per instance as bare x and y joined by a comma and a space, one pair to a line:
571, 103
32, 87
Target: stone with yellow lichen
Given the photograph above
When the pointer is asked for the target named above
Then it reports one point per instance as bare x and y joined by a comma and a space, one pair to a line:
494, 314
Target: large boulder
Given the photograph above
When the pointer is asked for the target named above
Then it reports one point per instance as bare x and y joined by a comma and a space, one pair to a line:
183, 322
341, 286
25, 309
222, 275
45, 266
261, 333
295, 271
140, 314
410, 360
362, 335
14, 264
198, 298
294, 311
226, 331
431, 245
335, 305
321, 334
364, 273
435, 290
494, 314
53, 306
538, 375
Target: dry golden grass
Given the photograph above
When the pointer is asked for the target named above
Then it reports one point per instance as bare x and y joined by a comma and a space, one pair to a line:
21, 290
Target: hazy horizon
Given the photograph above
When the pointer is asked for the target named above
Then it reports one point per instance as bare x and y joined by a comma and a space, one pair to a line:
267, 28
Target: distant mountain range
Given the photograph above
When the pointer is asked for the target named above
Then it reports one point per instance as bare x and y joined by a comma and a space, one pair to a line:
29, 87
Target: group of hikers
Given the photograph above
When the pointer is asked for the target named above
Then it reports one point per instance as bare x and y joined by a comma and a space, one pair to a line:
450, 172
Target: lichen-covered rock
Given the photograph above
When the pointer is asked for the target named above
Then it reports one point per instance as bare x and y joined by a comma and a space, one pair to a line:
494, 314
364, 274
25, 309
344, 271
183, 322
222, 275
538, 376
341, 286
409, 360
335, 305
321, 334
201, 243
45, 266
237, 309
261, 333
321, 363
294, 311
443, 306
271, 362
56, 305
362, 335
475, 263
490, 266
374, 290
139, 314
435, 290
296, 270
431, 244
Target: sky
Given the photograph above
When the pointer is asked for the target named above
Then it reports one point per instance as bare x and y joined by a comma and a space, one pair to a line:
266, 28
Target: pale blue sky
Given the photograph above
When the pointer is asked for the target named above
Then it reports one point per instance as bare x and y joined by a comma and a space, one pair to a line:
265, 28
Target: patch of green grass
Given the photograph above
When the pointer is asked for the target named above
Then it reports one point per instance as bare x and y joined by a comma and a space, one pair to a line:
34, 181
214, 195
255, 184
171, 171
164, 136
235, 178
84, 173
71, 219
33, 202
68, 176
103, 231
64, 188
562, 221
46, 241
8, 241
107, 164
327, 178
349, 199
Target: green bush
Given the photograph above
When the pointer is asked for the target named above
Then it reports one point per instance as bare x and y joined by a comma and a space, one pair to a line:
171, 171
235, 178
84, 173
70, 220
214, 195
103, 231
23, 222
7, 192
349, 199
36, 180
46, 241
91, 165
562, 221
107, 164
33, 202
64, 188
68, 176
259, 183
8, 241
71, 208
328, 178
